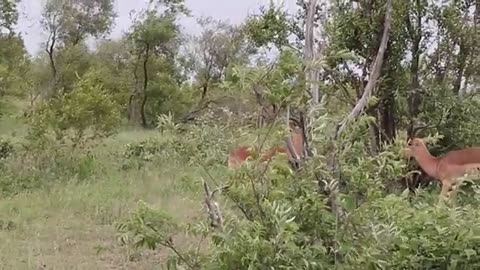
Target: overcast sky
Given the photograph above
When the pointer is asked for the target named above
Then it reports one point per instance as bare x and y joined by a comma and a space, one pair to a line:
232, 10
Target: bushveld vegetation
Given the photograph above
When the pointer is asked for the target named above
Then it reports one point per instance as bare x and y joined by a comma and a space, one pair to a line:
115, 157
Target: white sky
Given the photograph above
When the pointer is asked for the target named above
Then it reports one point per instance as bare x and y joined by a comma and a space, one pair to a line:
234, 11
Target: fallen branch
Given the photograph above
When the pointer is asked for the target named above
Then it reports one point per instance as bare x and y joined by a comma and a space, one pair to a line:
190, 115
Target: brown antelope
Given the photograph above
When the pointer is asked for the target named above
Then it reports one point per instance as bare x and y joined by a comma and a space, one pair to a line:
447, 168
294, 148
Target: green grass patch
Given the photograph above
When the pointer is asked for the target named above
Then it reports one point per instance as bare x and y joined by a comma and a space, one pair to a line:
70, 224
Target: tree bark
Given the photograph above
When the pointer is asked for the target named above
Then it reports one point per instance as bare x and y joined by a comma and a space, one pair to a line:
462, 63
145, 86
133, 101
50, 47
309, 55
387, 117
414, 96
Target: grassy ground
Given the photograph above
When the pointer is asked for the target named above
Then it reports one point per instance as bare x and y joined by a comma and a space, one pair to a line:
71, 226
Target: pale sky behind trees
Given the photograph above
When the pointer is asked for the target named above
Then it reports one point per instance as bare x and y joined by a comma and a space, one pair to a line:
235, 11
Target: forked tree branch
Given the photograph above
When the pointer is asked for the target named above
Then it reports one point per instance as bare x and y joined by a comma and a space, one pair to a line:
213, 208
374, 75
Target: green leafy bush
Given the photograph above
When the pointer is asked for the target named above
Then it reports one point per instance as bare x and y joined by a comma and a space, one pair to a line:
85, 113
41, 166
277, 219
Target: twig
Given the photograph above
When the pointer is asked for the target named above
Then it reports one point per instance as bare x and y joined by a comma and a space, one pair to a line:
445, 115
362, 103
237, 203
169, 244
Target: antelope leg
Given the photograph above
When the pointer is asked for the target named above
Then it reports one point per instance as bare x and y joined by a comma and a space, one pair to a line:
453, 190
446, 187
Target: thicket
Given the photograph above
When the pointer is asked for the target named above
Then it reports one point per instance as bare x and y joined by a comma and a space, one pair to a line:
205, 94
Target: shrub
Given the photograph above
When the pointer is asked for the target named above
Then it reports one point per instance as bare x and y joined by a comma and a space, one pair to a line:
85, 113
278, 219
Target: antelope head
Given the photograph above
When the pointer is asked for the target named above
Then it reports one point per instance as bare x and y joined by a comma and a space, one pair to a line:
414, 147
414, 144
295, 126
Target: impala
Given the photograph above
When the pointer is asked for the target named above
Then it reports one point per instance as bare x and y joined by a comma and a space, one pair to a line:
294, 148
447, 168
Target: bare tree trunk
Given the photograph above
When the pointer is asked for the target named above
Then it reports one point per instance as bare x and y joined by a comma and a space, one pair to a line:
309, 56
204, 92
414, 97
376, 67
133, 101
311, 74
375, 74
466, 44
387, 117
475, 50
462, 63
50, 48
145, 86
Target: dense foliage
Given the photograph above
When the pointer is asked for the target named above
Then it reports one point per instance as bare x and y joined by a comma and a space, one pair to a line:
206, 94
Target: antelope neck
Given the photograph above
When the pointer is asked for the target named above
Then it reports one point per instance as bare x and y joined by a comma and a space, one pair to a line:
427, 162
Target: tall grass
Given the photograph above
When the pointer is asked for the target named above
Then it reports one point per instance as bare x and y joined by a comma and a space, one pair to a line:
68, 224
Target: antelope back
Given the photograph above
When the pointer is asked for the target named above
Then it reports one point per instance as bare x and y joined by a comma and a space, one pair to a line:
271, 152
463, 156
237, 156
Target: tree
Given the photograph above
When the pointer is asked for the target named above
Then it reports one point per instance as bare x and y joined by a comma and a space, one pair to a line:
218, 48
8, 15
271, 27
14, 60
154, 35
86, 113
68, 23
113, 60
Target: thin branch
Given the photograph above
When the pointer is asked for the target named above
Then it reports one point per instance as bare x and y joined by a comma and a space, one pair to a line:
169, 244
445, 115
237, 202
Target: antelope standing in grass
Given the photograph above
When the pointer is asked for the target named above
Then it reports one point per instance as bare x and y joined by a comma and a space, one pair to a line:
447, 168
294, 147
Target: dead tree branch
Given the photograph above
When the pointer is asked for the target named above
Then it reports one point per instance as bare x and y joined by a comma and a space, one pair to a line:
374, 75
213, 208
331, 187
191, 115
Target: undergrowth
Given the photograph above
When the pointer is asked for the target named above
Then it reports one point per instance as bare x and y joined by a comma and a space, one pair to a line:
356, 218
